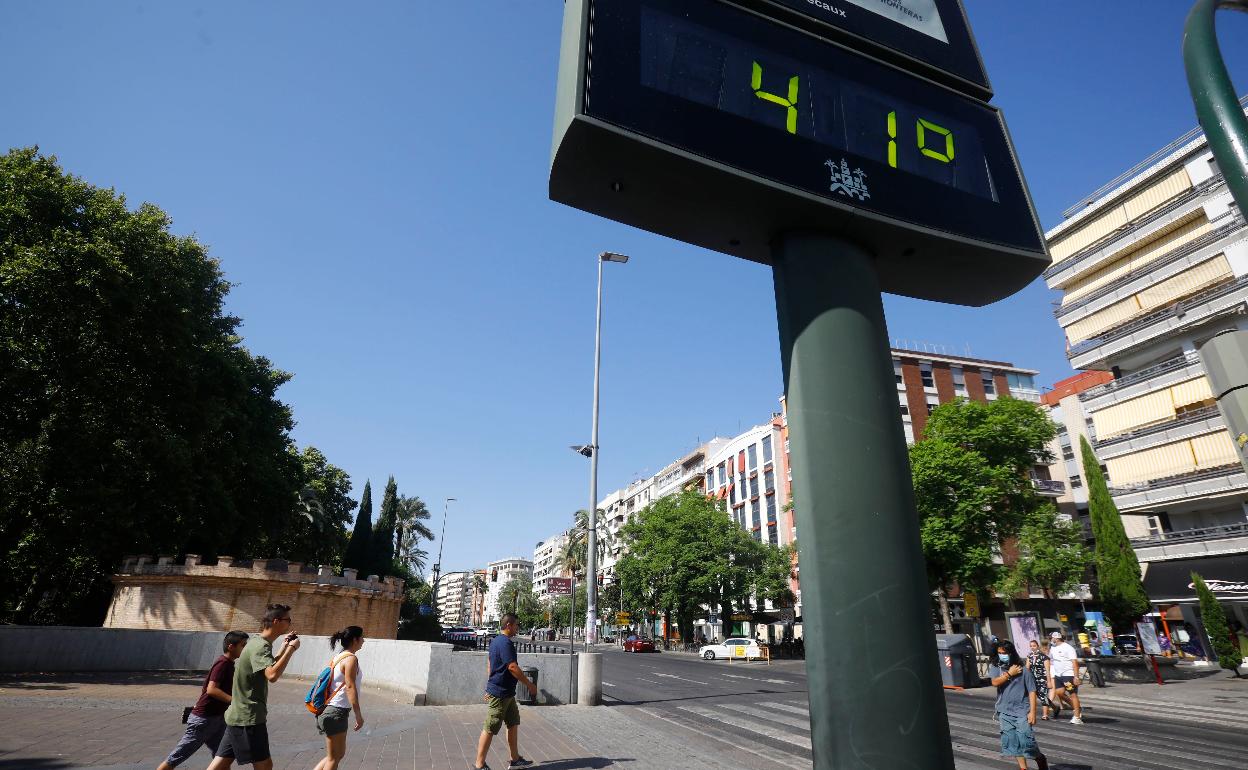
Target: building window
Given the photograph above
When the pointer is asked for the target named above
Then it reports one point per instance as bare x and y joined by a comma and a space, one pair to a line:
755, 507
769, 481
721, 474
959, 379
897, 373
771, 508
710, 480
905, 410
773, 537
752, 450
990, 387
1068, 453
766, 449
925, 374
1075, 482
930, 407
732, 495
754, 488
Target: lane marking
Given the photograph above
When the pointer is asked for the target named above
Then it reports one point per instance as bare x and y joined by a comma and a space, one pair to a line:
607, 684
770, 757
801, 724
756, 679
746, 724
681, 678
790, 708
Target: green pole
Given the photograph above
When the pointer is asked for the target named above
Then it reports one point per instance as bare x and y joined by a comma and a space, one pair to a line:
876, 697
1217, 108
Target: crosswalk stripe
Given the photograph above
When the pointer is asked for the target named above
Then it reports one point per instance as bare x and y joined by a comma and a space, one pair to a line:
790, 708
746, 724
798, 763
802, 724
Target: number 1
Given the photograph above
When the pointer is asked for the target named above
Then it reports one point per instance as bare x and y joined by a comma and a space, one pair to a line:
892, 139
756, 82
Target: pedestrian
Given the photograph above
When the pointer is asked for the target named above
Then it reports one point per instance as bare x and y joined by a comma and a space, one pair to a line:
345, 689
500, 694
1038, 664
206, 723
1064, 675
246, 730
1016, 706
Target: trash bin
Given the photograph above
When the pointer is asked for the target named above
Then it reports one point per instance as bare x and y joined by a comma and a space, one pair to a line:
522, 693
956, 656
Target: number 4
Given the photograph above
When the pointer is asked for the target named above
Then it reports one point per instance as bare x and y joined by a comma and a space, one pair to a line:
790, 103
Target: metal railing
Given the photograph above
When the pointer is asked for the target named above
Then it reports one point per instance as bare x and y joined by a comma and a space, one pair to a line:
1174, 309
1138, 168
1187, 249
1193, 535
1049, 486
1169, 365
1181, 478
1139, 223
1194, 415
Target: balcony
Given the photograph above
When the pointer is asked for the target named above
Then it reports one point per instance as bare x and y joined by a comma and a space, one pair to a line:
1179, 364
1195, 422
1211, 302
1202, 483
1049, 487
1185, 543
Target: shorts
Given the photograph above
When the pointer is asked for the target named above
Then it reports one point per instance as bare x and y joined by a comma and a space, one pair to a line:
200, 731
332, 721
245, 745
1017, 737
499, 712
1068, 683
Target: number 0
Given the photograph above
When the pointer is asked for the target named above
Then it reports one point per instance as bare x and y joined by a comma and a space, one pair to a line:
921, 128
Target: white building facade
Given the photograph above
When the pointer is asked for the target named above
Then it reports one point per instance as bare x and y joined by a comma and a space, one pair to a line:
497, 575
545, 557
455, 598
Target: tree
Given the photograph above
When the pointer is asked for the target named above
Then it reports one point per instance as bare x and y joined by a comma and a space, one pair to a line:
516, 596
381, 550
561, 608
1051, 556
411, 529
1119, 586
1213, 617
132, 419
357, 553
326, 503
574, 555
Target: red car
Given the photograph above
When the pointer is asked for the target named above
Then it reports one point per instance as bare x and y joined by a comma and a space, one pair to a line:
637, 644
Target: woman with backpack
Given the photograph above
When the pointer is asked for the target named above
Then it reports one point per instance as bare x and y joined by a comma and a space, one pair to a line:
345, 696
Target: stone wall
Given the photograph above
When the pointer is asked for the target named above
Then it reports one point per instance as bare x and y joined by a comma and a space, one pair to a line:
233, 595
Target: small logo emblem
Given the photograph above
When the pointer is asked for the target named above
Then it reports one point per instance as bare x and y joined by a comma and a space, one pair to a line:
847, 183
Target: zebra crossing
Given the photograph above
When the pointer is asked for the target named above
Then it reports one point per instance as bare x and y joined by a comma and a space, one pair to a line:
1119, 733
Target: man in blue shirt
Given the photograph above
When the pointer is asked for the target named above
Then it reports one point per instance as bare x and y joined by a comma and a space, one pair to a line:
500, 694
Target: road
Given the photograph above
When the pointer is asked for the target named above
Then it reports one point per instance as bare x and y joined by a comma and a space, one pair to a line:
759, 714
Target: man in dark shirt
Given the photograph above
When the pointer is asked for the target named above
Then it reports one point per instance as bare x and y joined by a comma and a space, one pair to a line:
206, 723
500, 694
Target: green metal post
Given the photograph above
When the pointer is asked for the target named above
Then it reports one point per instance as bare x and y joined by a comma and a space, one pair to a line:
1218, 110
876, 698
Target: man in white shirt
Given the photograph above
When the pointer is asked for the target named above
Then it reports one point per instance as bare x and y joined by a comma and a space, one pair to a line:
1064, 675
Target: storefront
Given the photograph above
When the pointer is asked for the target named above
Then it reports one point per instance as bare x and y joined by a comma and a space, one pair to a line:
1171, 589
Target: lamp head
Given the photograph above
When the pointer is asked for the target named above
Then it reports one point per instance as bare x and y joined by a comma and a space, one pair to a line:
611, 256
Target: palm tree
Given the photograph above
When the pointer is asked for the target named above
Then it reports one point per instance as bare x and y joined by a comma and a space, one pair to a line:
575, 552
410, 530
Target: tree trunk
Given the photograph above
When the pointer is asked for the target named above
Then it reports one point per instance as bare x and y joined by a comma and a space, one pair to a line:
944, 609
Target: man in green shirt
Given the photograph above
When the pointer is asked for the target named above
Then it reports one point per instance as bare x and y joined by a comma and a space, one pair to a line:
246, 733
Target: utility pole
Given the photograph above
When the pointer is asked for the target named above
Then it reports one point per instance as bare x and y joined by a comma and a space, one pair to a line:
437, 566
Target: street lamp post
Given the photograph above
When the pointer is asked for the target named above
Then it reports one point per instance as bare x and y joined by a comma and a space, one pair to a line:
437, 566
591, 586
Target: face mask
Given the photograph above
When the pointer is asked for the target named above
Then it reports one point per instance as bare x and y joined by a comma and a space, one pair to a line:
1003, 658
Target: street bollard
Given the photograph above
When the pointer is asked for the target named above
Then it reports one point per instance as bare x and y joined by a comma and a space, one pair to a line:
589, 679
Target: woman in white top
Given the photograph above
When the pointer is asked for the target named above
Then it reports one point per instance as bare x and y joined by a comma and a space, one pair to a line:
345, 690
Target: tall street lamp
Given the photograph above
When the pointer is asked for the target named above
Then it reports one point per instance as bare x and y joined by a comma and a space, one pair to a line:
591, 589
437, 565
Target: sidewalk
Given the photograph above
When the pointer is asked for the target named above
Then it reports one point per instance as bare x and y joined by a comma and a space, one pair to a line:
130, 721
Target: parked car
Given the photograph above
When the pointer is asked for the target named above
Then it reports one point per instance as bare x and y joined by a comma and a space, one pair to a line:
737, 647
635, 643
1126, 644
460, 635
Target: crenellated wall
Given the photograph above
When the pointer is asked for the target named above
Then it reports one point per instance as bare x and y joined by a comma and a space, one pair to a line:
233, 595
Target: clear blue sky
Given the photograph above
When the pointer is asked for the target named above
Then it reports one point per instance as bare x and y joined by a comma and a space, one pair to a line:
372, 177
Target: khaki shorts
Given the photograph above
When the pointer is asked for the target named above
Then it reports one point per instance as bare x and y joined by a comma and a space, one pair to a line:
501, 711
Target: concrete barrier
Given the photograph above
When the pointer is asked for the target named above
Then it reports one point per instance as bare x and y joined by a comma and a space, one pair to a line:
403, 666
458, 678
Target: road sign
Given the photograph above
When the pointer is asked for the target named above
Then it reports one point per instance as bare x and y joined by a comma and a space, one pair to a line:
623, 618
559, 586
970, 603
426, 609
719, 127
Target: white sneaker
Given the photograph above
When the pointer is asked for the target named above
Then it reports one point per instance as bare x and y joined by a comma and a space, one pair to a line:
1075, 720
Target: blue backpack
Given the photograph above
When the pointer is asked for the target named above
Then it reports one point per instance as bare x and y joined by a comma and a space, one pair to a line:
319, 695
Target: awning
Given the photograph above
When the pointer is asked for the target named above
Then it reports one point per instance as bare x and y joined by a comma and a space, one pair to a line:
1170, 582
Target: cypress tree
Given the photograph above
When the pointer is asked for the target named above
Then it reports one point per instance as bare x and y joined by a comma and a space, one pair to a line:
359, 546
382, 549
1214, 619
1117, 567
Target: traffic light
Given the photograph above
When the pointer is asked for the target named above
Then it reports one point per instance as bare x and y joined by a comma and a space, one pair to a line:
600, 581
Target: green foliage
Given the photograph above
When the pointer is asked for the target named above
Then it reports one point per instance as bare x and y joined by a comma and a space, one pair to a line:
1213, 617
411, 529
381, 551
517, 596
356, 556
413, 625
561, 608
322, 537
132, 419
573, 556
1119, 586
1051, 555
684, 552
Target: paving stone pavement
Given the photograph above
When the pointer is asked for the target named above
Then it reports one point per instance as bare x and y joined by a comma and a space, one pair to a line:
130, 721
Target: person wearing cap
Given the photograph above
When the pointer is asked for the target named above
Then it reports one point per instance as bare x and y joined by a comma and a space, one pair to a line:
1064, 675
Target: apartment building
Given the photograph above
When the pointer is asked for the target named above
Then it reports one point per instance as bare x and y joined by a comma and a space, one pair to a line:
499, 574
454, 598
1066, 410
545, 555
1152, 265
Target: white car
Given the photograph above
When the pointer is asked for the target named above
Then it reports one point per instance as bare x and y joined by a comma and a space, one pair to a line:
737, 647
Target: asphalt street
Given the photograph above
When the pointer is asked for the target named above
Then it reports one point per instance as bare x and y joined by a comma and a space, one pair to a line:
759, 713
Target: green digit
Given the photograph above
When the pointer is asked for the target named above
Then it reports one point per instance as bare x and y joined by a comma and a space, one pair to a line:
790, 104
924, 125
892, 139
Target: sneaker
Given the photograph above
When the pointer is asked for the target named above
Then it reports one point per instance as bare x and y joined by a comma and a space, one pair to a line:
486, 766
520, 762
1075, 720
